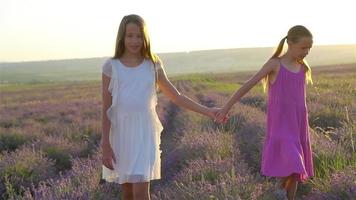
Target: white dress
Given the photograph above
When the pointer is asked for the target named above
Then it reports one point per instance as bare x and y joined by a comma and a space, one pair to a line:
135, 127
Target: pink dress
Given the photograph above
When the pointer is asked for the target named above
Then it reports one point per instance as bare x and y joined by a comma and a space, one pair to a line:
287, 147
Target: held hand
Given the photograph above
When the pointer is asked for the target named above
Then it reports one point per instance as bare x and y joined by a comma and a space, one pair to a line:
212, 112
222, 115
108, 156
226, 118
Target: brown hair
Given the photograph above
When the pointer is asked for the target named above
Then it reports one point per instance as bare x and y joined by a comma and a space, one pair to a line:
294, 34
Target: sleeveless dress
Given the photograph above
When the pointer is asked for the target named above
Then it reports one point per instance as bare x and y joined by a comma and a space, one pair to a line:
135, 127
287, 148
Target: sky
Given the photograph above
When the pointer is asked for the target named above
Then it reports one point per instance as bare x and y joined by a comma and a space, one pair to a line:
62, 29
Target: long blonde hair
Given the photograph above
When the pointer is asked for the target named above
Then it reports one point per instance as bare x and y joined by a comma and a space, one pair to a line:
146, 49
294, 34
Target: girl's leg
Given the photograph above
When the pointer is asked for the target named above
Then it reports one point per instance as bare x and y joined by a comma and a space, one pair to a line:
283, 182
127, 191
141, 191
291, 187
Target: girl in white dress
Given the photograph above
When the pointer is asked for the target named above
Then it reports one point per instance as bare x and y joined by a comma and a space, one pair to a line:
131, 128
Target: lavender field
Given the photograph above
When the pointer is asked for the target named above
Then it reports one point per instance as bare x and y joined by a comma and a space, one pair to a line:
50, 134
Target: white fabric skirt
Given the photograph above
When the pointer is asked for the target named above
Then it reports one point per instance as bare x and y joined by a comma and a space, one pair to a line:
135, 140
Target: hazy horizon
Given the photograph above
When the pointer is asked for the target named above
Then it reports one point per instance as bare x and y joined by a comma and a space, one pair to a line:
178, 52
206, 61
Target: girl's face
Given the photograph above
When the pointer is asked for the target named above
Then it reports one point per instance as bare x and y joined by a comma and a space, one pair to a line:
133, 39
301, 48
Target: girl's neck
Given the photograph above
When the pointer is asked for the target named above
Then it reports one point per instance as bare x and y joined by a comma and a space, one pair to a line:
288, 58
131, 57
131, 60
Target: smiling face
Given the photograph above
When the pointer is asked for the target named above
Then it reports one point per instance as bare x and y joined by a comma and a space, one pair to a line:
133, 39
300, 49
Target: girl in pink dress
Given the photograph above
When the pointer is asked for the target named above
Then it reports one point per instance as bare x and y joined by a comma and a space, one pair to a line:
287, 151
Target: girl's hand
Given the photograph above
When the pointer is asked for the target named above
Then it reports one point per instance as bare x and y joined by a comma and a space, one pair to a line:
108, 156
222, 115
212, 112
